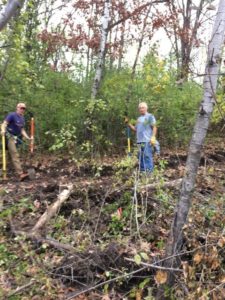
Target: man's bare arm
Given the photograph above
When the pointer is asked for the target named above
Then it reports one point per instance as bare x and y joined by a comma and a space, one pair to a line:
3, 127
132, 127
23, 132
154, 130
153, 137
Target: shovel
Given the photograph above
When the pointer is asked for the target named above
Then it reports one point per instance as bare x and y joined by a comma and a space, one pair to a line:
32, 135
31, 171
128, 141
4, 175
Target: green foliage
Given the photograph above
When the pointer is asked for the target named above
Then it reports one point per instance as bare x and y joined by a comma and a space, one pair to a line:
74, 122
118, 222
124, 169
174, 106
6, 256
164, 195
116, 225
65, 139
19, 208
219, 110
96, 120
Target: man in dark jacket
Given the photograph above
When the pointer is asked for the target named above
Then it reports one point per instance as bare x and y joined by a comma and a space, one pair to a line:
13, 129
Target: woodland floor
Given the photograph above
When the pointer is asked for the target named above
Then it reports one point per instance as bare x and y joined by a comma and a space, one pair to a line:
97, 245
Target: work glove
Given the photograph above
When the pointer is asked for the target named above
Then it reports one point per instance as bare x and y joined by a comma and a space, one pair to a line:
153, 140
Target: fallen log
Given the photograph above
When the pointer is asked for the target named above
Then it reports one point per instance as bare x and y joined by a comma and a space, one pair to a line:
56, 244
151, 186
53, 209
168, 184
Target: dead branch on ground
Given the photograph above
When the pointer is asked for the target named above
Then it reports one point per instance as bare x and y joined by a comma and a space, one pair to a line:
53, 209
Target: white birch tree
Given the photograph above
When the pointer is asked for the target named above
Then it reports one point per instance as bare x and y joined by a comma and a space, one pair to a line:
199, 133
9, 11
102, 48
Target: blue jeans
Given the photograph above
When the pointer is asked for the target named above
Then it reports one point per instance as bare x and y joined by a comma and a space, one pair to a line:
145, 157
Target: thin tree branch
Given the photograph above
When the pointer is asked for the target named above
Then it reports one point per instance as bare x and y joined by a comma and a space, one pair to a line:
73, 295
153, 266
20, 289
138, 9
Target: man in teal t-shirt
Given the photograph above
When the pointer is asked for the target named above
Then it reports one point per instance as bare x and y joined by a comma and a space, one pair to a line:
146, 130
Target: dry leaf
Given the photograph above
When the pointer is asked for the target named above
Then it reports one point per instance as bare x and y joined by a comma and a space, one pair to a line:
32, 270
144, 246
185, 269
221, 242
105, 297
191, 272
198, 257
138, 295
81, 297
215, 264
161, 277
37, 204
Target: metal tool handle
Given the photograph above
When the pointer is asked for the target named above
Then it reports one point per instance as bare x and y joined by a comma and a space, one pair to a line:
32, 135
3, 158
128, 142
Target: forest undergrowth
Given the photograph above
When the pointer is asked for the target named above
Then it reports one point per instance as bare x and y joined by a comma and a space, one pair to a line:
108, 238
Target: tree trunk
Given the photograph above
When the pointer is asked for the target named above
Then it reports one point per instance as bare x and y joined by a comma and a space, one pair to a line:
199, 133
102, 49
9, 11
184, 35
121, 49
88, 46
122, 41
188, 37
185, 41
140, 42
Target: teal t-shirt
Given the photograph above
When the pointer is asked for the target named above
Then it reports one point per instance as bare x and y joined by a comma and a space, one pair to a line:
144, 127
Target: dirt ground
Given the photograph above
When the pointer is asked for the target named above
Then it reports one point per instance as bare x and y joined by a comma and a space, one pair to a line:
96, 246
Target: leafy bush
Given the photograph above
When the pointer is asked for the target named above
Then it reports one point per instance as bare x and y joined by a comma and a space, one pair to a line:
62, 105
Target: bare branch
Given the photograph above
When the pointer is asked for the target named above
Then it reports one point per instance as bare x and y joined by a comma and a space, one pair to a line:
22, 288
136, 10
73, 295
153, 266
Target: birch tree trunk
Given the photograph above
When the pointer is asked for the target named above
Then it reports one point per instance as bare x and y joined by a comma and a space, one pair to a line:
102, 49
88, 47
199, 133
9, 11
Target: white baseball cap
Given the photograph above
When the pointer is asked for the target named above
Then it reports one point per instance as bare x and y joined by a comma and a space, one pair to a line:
21, 105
